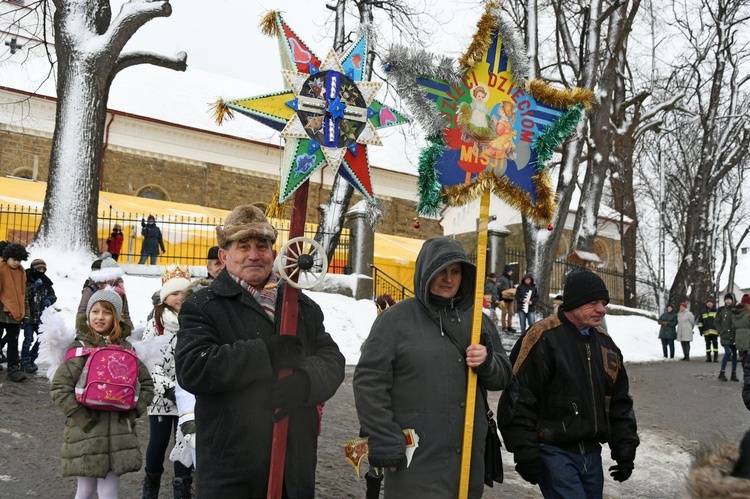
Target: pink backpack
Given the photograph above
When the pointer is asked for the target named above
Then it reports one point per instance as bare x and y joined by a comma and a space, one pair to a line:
109, 380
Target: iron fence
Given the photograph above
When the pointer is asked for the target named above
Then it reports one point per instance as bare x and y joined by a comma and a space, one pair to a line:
186, 239
383, 284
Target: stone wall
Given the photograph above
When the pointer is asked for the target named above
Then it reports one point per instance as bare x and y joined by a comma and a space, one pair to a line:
205, 184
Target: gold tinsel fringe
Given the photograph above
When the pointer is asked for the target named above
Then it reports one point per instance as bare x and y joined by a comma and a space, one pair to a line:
559, 98
482, 39
268, 24
221, 111
541, 212
274, 208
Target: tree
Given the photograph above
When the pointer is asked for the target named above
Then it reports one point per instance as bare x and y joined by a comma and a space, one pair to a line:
402, 18
89, 54
710, 139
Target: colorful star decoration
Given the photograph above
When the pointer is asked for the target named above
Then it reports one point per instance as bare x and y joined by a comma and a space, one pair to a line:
327, 115
489, 128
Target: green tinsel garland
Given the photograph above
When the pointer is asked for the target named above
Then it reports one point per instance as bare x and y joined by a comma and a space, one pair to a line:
428, 185
554, 135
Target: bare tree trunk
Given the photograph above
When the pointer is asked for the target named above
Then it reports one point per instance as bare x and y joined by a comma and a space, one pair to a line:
89, 56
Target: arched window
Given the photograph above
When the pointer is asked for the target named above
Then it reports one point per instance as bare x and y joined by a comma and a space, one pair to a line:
26, 173
153, 192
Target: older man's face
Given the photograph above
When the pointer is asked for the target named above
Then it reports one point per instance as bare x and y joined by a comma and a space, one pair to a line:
589, 315
250, 259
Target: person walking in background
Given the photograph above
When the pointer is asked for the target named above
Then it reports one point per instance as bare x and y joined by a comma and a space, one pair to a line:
39, 295
163, 414
152, 241
707, 329
114, 242
13, 304
725, 326
229, 354
410, 346
490, 295
685, 325
98, 445
570, 394
667, 331
741, 323
506, 290
526, 296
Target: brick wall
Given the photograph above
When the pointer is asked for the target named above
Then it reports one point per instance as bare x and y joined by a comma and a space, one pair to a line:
208, 184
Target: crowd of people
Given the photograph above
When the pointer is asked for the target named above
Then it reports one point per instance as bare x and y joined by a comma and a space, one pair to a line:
225, 373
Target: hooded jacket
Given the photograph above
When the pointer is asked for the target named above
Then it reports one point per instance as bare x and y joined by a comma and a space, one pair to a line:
39, 294
523, 289
668, 323
97, 442
504, 282
221, 358
723, 321
570, 390
412, 374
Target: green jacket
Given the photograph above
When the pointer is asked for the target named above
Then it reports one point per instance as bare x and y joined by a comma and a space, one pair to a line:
725, 325
741, 323
97, 442
668, 323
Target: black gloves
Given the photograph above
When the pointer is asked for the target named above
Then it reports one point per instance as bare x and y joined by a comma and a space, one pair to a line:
530, 470
622, 470
143, 222
285, 351
289, 393
169, 394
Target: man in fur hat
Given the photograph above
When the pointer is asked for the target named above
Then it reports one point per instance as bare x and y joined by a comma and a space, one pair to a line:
229, 353
569, 395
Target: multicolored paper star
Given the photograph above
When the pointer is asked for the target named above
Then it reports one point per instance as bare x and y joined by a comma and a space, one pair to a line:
328, 115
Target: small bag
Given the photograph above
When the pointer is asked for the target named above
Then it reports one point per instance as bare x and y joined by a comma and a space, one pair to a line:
508, 294
493, 459
109, 380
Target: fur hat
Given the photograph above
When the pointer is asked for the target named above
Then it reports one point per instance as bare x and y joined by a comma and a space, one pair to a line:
213, 253
243, 222
38, 264
581, 287
15, 251
107, 270
109, 296
175, 278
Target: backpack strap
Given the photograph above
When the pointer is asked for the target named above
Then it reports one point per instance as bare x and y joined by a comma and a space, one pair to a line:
78, 352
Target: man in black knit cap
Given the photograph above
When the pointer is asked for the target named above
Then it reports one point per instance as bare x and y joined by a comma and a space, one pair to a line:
569, 395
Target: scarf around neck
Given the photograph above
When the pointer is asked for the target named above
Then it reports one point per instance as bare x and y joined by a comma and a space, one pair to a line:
13, 290
266, 296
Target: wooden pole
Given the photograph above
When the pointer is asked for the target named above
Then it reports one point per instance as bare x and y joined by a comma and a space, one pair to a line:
289, 311
476, 330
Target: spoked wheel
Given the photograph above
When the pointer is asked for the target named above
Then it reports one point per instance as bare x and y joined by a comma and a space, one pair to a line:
302, 262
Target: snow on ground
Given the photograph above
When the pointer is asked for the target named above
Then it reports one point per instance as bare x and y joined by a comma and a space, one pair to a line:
346, 319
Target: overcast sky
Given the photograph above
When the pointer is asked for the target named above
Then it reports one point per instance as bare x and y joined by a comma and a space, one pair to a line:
222, 36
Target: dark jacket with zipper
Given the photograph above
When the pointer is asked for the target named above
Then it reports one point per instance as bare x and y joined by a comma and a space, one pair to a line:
570, 390
412, 374
221, 357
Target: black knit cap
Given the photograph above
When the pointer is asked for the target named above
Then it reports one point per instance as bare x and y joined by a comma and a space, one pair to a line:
581, 287
213, 253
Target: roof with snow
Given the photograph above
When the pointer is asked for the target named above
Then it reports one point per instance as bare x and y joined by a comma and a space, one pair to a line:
184, 99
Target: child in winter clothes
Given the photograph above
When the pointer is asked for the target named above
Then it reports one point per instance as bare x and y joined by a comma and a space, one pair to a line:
99, 446
526, 297
14, 308
105, 274
163, 412
114, 242
39, 295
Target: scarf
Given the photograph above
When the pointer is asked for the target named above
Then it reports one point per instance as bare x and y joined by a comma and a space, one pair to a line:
266, 296
13, 290
169, 321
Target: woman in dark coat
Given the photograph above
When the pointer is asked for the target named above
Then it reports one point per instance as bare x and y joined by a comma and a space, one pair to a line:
412, 375
667, 331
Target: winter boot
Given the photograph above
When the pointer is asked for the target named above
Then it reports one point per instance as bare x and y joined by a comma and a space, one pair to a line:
734, 376
716, 356
15, 374
708, 357
722, 376
183, 487
29, 367
151, 484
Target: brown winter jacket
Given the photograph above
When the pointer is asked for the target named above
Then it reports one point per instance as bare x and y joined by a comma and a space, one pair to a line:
97, 442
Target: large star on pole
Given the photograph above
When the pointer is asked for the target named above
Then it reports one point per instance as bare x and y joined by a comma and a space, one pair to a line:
327, 115
490, 128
